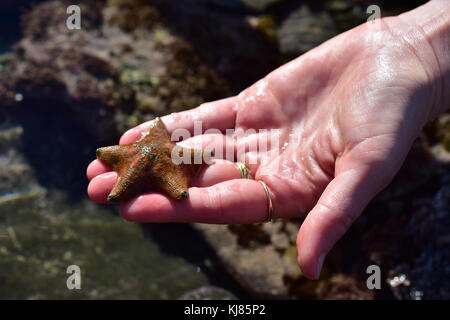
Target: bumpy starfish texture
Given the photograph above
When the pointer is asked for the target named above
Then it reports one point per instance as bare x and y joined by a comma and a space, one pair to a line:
154, 163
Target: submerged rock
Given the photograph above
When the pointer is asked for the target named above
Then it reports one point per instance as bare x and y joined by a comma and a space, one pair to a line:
108, 75
225, 39
37, 244
208, 293
251, 259
259, 5
18, 184
303, 29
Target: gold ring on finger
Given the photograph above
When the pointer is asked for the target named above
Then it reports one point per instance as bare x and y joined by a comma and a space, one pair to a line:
242, 169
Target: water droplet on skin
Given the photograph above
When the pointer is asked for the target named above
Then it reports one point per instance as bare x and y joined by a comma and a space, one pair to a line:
250, 99
262, 85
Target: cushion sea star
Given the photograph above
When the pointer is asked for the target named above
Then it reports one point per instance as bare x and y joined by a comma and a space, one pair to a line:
154, 163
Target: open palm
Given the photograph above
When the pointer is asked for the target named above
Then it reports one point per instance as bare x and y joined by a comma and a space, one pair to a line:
344, 117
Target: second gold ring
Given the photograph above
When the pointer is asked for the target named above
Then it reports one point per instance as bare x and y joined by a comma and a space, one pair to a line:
242, 169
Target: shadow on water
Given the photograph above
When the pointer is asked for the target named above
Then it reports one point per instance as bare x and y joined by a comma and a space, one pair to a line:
183, 241
9, 20
58, 148
10, 12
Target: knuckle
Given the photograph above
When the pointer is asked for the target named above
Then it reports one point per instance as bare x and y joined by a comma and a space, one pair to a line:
345, 221
340, 218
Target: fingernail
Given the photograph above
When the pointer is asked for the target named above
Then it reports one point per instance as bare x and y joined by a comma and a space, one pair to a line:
320, 261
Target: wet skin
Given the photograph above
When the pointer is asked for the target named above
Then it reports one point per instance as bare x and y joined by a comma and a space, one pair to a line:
346, 114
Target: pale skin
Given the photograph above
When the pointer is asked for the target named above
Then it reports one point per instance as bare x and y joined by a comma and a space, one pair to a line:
349, 111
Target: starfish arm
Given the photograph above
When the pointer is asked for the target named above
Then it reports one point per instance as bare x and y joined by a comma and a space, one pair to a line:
157, 132
197, 158
175, 182
130, 181
114, 156
151, 164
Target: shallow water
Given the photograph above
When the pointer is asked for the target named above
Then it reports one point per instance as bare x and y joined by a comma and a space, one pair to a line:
38, 244
47, 224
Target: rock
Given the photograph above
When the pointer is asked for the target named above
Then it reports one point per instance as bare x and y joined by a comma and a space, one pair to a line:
238, 6
346, 13
343, 287
302, 29
108, 76
411, 245
208, 293
339, 5
38, 243
262, 259
258, 5
249, 257
241, 53
439, 130
428, 229
18, 184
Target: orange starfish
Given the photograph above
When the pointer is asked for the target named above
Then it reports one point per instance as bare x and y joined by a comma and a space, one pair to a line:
154, 163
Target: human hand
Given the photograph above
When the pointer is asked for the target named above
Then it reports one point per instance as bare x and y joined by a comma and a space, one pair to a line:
345, 114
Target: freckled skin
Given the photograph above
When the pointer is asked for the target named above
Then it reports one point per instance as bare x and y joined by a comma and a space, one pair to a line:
147, 165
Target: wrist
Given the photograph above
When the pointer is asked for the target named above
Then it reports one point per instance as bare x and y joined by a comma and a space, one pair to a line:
430, 31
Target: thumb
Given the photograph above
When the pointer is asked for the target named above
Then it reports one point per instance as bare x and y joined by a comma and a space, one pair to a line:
341, 203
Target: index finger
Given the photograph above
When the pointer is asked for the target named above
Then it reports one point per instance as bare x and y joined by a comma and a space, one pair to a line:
220, 114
